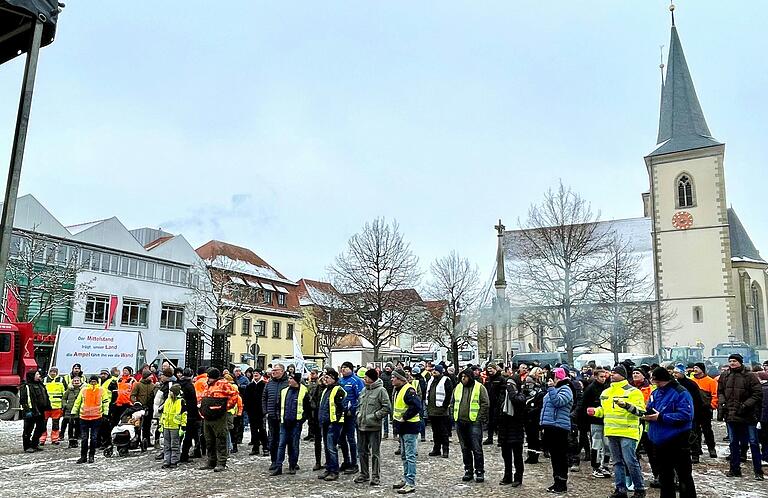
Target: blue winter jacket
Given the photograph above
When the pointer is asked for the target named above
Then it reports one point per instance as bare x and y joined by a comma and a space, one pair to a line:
556, 411
675, 407
353, 385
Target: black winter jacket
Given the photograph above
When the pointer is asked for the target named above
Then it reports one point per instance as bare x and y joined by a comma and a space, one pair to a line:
270, 401
190, 399
34, 397
739, 395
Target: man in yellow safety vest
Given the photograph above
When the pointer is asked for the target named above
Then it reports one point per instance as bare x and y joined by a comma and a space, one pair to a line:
56, 385
331, 418
295, 407
406, 412
470, 409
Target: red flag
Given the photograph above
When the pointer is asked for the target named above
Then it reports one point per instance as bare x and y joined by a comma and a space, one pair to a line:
112, 310
11, 305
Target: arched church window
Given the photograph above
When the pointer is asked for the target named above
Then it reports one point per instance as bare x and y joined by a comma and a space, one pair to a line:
685, 197
758, 314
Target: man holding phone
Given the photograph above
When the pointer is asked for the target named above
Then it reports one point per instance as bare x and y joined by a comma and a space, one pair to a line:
670, 420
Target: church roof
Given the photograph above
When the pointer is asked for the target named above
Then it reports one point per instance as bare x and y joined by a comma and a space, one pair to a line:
681, 121
742, 248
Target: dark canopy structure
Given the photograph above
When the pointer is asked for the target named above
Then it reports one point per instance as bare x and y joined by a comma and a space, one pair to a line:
16, 25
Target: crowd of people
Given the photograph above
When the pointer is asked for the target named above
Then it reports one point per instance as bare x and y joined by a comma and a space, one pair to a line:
613, 414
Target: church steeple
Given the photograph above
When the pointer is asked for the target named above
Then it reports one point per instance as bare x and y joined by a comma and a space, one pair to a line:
681, 122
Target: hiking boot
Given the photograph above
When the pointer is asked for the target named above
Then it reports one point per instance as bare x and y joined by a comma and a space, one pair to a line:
82, 459
73, 443
220, 468
324, 475
556, 489
264, 452
360, 479
406, 489
399, 485
159, 457
480, 477
467, 476
90, 459
505, 481
292, 471
276, 472
375, 481
434, 453
331, 477
733, 473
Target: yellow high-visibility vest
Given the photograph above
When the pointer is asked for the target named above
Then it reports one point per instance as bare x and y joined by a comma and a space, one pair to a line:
398, 412
299, 403
474, 401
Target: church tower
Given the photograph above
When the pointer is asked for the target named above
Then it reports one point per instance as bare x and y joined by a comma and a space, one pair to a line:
689, 214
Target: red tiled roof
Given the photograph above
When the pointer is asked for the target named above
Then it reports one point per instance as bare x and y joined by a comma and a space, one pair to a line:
215, 248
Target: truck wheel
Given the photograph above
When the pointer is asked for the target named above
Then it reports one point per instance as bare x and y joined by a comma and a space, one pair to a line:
9, 404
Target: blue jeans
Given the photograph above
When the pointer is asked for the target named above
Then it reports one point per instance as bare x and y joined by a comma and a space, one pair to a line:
471, 442
348, 443
743, 434
408, 444
332, 432
625, 459
290, 435
89, 430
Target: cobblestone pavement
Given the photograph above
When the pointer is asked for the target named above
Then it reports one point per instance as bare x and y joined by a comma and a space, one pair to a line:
53, 473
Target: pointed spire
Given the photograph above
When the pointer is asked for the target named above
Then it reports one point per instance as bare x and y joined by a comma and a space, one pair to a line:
681, 123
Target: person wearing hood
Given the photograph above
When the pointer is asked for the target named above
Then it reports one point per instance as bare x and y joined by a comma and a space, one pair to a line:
92, 407
621, 406
143, 392
70, 426
438, 400
174, 421
555, 419
740, 397
34, 403
56, 385
353, 385
708, 390
470, 409
373, 408
194, 421
295, 407
511, 431
669, 415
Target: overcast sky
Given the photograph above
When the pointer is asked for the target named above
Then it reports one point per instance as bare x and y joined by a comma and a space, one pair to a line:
284, 126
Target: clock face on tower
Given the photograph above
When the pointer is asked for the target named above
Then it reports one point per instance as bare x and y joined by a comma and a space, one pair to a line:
682, 220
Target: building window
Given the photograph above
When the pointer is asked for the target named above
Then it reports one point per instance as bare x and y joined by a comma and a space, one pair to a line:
267, 297
289, 331
280, 299
275, 330
172, 317
758, 319
134, 313
685, 197
698, 314
246, 326
261, 361
261, 328
96, 309
114, 265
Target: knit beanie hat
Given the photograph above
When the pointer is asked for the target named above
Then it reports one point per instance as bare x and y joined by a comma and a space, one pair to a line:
620, 369
439, 369
372, 374
400, 374
559, 374
680, 368
333, 373
348, 364
661, 374
737, 357
297, 377
416, 370
214, 373
701, 365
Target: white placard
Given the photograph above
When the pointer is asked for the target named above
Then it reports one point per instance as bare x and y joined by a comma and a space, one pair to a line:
95, 349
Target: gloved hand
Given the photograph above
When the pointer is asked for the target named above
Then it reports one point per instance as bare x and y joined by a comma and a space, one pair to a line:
759, 426
182, 431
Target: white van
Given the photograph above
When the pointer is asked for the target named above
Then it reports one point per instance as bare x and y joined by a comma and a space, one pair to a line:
606, 359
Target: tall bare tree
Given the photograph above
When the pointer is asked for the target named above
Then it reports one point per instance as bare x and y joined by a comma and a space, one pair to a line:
223, 293
624, 313
557, 261
42, 275
454, 284
375, 276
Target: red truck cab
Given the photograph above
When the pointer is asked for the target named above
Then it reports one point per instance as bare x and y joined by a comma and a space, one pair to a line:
17, 357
